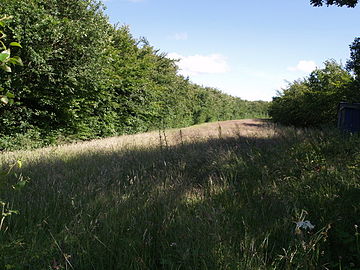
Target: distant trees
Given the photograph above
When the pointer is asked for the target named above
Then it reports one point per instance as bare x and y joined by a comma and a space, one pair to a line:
85, 78
313, 101
348, 3
354, 62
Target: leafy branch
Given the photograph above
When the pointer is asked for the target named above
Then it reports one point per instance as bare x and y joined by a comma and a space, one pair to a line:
6, 59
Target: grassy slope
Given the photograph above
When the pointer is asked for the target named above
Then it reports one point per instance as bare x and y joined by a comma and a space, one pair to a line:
174, 200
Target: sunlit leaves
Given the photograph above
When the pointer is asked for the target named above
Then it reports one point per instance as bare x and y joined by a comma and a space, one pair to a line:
6, 61
4, 99
15, 44
4, 55
313, 101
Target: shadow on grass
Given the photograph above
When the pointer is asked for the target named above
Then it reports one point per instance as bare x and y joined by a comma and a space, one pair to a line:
221, 204
265, 123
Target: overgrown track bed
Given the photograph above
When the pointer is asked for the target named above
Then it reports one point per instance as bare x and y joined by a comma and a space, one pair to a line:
170, 137
207, 197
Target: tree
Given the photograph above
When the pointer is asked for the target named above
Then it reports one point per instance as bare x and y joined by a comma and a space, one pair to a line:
354, 62
85, 78
65, 50
313, 101
348, 3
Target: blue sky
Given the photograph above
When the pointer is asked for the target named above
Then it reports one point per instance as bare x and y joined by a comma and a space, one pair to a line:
244, 48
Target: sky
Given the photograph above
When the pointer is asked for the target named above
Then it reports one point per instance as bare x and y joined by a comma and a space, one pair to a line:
245, 48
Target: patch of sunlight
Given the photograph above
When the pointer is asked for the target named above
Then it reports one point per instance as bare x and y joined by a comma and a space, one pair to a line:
197, 195
217, 189
193, 196
170, 137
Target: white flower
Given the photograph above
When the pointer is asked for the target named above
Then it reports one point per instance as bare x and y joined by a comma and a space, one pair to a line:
304, 225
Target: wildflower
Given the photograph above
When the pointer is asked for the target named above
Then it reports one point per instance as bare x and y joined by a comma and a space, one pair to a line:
173, 245
304, 225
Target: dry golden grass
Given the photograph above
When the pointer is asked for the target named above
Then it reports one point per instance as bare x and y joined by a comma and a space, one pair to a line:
225, 129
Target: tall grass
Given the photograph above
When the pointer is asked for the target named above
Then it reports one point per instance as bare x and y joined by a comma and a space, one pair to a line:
230, 202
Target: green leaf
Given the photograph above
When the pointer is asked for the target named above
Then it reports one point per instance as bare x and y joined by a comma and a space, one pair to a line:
6, 51
5, 68
10, 95
19, 185
16, 60
4, 55
19, 163
15, 44
4, 99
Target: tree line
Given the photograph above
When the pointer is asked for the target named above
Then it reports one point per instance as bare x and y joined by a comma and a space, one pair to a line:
85, 78
313, 101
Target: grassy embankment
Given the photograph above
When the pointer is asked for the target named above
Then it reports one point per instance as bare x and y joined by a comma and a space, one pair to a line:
182, 201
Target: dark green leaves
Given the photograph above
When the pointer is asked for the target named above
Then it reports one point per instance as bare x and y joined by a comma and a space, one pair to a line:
16, 60
7, 98
20, 185
313, 101
85, 78
348, 3
354, 62
6, 60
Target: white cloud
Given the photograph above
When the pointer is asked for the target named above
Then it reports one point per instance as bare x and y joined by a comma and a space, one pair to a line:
304, 66
180, 36
200, 64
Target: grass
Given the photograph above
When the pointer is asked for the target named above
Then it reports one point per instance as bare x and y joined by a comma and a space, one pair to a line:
178, 201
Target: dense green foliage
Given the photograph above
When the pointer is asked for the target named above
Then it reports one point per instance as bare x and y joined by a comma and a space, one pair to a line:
84, 78
354, 62
348, 3
219, 204
7, 59
313, 101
